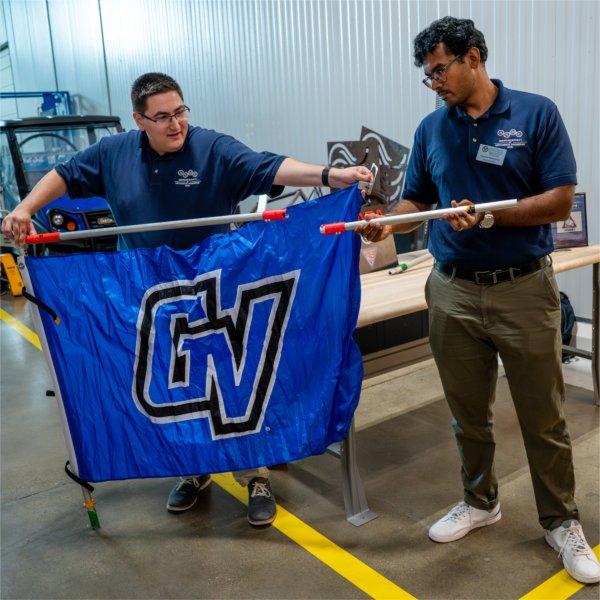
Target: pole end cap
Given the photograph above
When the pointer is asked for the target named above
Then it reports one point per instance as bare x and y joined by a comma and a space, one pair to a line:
43, 238
332, 228
277, 214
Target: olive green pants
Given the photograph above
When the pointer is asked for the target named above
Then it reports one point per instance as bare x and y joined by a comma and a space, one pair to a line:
469, 326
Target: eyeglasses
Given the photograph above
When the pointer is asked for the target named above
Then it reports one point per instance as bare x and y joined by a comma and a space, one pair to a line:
439, 74
165, 120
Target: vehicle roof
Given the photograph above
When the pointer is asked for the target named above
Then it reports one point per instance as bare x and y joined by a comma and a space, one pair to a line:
58, 121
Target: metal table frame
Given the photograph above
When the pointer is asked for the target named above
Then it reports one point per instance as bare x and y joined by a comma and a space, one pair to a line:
593, 355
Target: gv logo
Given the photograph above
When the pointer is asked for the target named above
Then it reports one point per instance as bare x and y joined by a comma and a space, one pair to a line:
235, 324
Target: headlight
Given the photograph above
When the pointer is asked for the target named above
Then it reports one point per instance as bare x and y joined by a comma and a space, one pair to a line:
57, 219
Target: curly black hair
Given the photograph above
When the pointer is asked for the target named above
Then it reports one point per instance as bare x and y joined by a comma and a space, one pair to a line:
149, 84
457, 35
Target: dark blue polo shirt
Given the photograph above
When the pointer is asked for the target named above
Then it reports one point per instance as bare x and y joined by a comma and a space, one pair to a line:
208, 177
443, 166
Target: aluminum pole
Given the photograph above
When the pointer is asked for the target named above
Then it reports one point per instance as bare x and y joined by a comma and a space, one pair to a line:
427, 215
56, 236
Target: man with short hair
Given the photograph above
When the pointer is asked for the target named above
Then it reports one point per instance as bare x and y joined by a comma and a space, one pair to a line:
169, 170
492, 291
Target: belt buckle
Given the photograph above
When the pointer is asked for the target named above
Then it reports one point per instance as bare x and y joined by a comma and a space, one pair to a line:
479, 274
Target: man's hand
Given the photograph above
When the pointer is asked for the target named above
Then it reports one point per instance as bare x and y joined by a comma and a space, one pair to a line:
17, 225
341, 178
460, 222
298, 174
374, 232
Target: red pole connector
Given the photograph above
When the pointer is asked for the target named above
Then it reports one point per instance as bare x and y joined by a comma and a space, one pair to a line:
43, 238
333, 228
277, 214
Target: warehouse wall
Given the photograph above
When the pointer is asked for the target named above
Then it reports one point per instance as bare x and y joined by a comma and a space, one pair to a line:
289, 75
8, 107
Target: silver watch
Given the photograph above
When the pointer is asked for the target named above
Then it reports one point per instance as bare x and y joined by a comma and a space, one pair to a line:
487, 221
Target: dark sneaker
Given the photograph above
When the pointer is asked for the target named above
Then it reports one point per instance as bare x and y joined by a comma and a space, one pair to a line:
185, 493
261, 503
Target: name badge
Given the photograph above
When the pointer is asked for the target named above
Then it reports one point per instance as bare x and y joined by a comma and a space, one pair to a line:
491, 154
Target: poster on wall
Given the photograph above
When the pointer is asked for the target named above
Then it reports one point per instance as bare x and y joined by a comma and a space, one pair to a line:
572, 231
393, 163
352, 153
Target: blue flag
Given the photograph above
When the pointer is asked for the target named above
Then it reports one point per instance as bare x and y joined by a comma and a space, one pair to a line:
237, 353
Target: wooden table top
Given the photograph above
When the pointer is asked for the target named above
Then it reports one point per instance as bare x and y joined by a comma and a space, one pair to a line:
387, 296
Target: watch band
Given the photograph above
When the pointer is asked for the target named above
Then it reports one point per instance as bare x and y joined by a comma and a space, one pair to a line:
325, 177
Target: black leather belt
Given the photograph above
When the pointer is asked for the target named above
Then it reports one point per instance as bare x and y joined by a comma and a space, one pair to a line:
491, 277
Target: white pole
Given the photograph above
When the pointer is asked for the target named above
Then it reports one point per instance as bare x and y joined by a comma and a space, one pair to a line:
46, 238
427, 215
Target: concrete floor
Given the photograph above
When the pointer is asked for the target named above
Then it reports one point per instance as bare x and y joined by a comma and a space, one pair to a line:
410, 470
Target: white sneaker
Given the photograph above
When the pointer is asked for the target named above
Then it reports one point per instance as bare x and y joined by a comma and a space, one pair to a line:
460, 520
577, 556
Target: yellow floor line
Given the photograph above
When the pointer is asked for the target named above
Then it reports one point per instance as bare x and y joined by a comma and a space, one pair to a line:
341, 561
29, 335
557, 587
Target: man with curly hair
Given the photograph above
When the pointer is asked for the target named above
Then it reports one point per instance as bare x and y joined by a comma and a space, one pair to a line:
492, 291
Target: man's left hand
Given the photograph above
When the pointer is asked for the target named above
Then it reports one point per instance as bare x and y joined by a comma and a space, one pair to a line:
341, 178
460, 222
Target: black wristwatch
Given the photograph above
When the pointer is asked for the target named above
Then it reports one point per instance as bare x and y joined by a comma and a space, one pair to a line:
325, 177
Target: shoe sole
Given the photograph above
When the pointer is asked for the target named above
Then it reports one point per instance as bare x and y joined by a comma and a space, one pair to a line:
265, 522
178, 509
461, 535
550, 543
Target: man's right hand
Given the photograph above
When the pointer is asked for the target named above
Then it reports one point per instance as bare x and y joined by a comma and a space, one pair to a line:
17, 225
374, 232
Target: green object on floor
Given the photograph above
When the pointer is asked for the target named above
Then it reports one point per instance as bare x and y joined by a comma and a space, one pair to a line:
94, 520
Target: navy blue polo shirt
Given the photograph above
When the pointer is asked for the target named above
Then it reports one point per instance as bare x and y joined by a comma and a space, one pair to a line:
207, 177
443, 166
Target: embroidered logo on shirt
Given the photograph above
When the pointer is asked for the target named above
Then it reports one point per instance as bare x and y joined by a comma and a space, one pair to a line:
187, 178
511, 138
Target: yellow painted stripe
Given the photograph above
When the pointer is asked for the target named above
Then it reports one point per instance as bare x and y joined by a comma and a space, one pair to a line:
558, 587
29, 335
341, 561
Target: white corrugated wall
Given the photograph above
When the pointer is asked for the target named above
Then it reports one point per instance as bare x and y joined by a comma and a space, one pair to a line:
288, 75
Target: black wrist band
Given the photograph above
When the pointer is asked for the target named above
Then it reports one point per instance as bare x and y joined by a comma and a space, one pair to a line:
325, 177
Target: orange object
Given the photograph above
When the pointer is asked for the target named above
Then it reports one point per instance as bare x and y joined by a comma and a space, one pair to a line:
370, 213
42, 238
89, 504
274, 215
15, 282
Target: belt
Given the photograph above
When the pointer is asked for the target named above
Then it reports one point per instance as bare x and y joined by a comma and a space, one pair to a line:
492, 277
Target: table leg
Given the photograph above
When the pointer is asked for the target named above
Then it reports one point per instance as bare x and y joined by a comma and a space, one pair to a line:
594, 355
355, 500
596, 332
